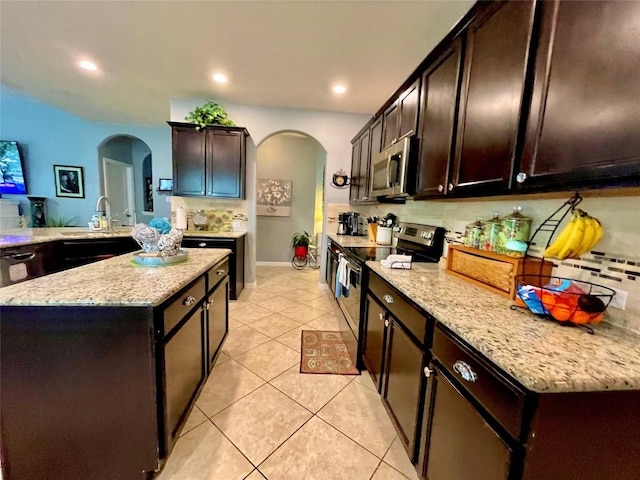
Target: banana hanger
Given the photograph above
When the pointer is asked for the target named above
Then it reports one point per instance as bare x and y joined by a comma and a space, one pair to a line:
550, 225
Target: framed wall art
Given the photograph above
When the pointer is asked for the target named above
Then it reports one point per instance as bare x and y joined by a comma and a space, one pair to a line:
69, 181
274, 197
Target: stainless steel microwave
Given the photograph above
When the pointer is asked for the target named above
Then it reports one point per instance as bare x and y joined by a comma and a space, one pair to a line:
389, 170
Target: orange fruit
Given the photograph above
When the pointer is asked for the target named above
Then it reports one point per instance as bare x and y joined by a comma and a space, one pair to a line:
562, 312
581, 316
597, 318
548, 300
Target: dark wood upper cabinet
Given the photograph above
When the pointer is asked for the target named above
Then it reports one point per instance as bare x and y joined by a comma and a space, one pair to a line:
226, 161
354, 186
376, 137
584, 121
390, 126
208, 162
437, 127
363, 171
401, 118
491, 97
188, 149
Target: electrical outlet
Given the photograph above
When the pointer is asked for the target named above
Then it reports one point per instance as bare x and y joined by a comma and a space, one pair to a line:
619, 300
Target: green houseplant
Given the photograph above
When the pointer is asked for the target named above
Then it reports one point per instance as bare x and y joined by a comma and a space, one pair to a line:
300, 244
211, 113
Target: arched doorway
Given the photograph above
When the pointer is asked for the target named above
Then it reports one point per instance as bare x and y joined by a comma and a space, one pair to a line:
126, 178
296, 161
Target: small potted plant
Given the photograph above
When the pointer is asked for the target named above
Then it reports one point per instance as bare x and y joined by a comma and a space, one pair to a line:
211, 113
300, 244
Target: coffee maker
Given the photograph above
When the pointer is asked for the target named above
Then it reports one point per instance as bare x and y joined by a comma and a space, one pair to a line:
344, 223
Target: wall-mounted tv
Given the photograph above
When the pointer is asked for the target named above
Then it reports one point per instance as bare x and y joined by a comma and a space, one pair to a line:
12, 179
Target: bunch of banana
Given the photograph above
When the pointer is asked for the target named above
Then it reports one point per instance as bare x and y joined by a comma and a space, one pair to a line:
580, 235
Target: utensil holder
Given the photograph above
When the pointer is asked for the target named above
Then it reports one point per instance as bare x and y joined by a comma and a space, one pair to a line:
383, 235
372, 230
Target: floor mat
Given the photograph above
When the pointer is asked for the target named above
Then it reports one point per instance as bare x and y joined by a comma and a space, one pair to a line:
328, 352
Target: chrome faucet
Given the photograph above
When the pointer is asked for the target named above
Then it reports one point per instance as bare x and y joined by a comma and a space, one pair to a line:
107, 209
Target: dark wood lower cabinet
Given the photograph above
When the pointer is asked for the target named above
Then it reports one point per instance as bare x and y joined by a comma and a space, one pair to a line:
217, 317
460, 445
236, 259
101, 392
374, 340
183, 370
404, 385
461, 417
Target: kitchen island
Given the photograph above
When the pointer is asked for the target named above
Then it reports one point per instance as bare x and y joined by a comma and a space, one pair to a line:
464, 376
101, 364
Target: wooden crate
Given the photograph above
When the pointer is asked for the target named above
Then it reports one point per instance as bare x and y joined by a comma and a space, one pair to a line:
490, 270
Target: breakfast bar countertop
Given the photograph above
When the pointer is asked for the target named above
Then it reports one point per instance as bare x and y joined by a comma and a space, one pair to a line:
31, 236
117, 281
542, 355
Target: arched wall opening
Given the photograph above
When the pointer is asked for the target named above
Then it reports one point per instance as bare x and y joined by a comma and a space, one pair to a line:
133, 151
290, 197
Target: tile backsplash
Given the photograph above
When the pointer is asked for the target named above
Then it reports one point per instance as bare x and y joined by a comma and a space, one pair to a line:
615, 261
222, 215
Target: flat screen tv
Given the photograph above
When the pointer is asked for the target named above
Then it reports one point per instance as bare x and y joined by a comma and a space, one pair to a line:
11, 169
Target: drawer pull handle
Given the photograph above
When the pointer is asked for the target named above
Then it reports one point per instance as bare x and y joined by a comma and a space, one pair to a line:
388, 298
189, 301
427, 372
202, 244
464, 370
381, 315
221, 272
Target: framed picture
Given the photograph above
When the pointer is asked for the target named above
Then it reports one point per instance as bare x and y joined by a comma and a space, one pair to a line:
274, 197
69, 181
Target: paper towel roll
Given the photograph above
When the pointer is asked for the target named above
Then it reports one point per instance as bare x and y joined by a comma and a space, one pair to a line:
181, 218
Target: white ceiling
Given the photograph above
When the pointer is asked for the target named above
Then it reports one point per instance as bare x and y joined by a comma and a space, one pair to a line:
276, 53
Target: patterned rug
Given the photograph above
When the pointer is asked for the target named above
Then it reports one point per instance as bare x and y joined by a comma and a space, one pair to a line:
328, 352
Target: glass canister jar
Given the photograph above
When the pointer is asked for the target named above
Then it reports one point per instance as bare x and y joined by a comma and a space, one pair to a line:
490, 236
515, 233
472, 233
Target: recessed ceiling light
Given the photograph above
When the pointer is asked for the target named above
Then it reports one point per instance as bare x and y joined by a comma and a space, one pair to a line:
220, 78
339, 89
88, 65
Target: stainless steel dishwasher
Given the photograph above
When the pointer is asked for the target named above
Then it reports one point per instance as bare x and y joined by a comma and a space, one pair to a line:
18, 264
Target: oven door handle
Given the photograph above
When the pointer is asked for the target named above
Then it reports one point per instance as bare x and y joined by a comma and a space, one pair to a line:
354, 268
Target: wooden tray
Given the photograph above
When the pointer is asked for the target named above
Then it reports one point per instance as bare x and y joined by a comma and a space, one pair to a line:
490, 270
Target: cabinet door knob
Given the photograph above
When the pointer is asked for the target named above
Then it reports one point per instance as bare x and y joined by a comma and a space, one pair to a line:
221, 272
450, 186
427, 372
386, 323
189, 301
521, 177
440, 188
464, 370
388, 298
202, 192
381, 315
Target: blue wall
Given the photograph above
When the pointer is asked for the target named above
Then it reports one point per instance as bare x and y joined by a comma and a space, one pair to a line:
49, 136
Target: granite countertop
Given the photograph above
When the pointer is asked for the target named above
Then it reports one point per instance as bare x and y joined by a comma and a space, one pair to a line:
353, 241
542, 355
116, 281
31, 236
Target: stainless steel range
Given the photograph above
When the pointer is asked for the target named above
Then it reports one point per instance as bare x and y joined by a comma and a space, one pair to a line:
423, 242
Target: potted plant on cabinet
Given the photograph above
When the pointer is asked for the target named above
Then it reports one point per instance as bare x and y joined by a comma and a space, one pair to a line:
300, 244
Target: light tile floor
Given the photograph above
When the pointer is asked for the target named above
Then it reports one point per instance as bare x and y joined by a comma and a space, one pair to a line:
258, 418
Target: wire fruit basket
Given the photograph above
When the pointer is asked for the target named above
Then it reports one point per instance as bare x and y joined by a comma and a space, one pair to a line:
565, 300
